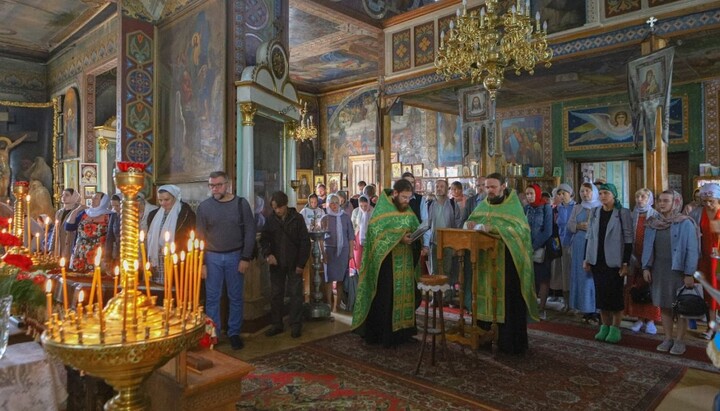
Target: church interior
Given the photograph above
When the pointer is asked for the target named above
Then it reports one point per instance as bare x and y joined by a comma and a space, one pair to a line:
283, 95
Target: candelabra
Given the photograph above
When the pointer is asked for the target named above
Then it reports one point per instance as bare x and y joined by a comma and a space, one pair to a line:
126, 339
481, 45
318, 309
305, 130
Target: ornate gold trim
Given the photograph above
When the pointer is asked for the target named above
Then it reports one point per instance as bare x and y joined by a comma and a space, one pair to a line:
103, 143
248, 113
28, 105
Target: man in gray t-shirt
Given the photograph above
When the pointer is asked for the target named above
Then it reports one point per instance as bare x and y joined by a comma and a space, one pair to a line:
227, 225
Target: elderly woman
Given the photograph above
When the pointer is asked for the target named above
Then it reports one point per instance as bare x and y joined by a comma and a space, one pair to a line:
339, 240
91, 226
582, 287
646, 313
705, 217
61, 240
607, 254
669, 260
174, 217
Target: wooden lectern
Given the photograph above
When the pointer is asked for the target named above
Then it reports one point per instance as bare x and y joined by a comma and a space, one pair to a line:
474, 241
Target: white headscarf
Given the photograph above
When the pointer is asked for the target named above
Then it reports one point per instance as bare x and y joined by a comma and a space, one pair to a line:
158, 228
364, 221
103, 208
594, 200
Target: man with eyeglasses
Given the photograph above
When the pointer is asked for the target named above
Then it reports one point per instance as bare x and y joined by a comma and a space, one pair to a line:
227, 225
386, 301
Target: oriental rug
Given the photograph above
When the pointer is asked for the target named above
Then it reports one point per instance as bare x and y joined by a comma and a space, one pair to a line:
559, 372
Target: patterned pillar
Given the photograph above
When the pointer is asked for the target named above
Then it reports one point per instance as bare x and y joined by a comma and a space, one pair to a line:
712, 121
136, 96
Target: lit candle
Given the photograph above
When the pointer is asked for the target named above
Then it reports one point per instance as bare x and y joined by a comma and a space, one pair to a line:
37, 243
166, 271
115, 282
48, 297
96, 281
147, 279
47, 229
64, 281
100, 306
143, 253
176, 279
29, 222
200, 261
183, 279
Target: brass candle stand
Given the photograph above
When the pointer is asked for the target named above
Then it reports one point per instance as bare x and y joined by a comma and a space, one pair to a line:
127, 339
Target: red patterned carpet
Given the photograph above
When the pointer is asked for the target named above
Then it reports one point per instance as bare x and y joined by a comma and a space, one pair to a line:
559, 372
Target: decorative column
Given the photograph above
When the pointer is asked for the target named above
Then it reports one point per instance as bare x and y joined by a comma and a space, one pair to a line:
245, 152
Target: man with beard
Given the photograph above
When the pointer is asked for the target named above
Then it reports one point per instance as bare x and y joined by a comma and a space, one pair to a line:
227, 225
386, 299
502, 214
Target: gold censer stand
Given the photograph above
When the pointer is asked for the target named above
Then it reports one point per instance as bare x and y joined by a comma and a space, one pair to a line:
127, 339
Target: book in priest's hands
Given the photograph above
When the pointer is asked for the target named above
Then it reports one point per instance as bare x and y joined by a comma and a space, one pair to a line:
422, 229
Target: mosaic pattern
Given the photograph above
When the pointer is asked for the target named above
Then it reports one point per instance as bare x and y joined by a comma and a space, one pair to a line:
138, 98
712, 121
424, 43
96, 50
615, 8
401, 50
238, 32
89, 119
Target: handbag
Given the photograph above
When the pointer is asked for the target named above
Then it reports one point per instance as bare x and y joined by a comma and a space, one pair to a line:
539, 255
553, 247
689, 303
641, 294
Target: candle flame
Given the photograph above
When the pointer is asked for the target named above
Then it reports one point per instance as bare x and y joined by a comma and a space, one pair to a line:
81, 297
147, 266
117, 270
27, 198
37, 235
62, 262
202, 245
172, 248
175, 258
197, 244
136, 265
182, 255
190, 245
167, 236
48, 286
142, 236
126, 266
192, 234
47, 220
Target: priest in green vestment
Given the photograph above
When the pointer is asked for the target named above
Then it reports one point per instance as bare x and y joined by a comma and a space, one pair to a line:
501, 214
386, 297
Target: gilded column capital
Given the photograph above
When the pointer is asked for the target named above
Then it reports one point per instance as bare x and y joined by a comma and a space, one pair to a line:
248, 113
103, 143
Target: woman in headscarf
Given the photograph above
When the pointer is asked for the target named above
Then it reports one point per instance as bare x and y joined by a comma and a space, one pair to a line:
646, 313
339, 240
174, 217
360, 219
91, 225
61, 241
312, 213
582, 287
608, 252
669, 260
540, 217
705, 217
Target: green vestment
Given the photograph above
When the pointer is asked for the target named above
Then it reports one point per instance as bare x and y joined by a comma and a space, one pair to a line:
507, 220
386, 228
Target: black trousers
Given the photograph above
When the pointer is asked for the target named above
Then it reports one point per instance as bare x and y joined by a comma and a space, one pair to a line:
282, 282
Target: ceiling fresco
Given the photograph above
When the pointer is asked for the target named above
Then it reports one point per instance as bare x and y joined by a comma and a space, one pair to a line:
33, 28
327, 49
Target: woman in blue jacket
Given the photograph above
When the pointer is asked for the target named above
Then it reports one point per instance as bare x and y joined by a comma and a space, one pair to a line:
669, 259
540, 218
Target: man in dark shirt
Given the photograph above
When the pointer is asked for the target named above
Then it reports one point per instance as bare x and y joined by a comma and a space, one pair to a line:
225, 222
285, 244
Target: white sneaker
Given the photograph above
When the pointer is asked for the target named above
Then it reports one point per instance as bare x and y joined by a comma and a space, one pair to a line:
638, 325
650, 328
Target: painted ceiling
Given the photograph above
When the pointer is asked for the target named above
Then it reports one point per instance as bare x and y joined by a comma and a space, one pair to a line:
33, 28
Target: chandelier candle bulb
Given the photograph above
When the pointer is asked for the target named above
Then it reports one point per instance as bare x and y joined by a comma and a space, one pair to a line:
48, 297
63, 275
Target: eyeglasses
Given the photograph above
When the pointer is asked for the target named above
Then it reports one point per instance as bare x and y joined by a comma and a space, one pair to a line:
218, 185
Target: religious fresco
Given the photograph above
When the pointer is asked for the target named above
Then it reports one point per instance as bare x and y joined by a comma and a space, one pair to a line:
601, 126
352, 128
327, 51
410, 137
71, 123
191, 52
449, 139
521, 139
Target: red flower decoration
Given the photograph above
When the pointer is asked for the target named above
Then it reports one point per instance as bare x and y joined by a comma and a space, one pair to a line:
22, 183
20, 261
126, 166
9, 240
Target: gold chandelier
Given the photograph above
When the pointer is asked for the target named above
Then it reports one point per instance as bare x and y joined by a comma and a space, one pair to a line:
481, 45
306, 130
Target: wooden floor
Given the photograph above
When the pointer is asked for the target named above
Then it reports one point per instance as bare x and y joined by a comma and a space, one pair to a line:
696, 390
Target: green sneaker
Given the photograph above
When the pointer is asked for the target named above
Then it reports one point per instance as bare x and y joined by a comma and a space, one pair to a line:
602, 335
613, 335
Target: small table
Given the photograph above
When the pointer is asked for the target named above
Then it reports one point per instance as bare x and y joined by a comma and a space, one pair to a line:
29, 380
